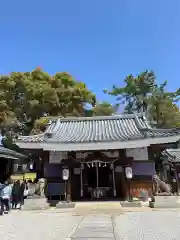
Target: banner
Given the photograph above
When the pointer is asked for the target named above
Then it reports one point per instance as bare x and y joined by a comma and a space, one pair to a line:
25, 176
30, 176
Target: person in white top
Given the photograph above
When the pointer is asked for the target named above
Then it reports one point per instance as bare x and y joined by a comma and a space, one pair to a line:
5, 195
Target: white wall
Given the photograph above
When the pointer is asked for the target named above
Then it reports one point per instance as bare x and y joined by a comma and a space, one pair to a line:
138, 153
57, 157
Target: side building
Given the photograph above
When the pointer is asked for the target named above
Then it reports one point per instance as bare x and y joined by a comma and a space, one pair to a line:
96, 151
7, 159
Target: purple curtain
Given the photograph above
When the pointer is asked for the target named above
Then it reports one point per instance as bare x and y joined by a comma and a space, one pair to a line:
53, 170
143, 168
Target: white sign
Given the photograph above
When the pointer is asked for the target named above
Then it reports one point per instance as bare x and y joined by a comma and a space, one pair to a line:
111, 154
57, 157
128, 171
137, 153
82, 155
65, 174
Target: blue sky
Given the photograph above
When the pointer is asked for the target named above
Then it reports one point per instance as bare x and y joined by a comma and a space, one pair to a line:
97, 41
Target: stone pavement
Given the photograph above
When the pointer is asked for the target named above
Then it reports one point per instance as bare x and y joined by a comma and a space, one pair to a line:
156, 225
95, 227
62, 225
100, 208
34, 225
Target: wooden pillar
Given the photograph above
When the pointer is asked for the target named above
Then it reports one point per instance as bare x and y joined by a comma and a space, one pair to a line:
81, 179
69, 198
97, 175
177, 179
114, 181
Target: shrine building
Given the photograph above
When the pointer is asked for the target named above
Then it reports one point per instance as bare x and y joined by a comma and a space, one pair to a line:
96, 151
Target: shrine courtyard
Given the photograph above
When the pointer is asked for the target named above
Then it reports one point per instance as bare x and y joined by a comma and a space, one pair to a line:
53, 225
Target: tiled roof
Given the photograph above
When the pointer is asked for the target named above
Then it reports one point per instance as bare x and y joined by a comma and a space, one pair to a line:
7, 153
32, 138
117, 128
92, 129
172, 154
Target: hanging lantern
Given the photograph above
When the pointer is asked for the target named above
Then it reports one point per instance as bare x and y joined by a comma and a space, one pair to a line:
128, 172
31, 165
65, 174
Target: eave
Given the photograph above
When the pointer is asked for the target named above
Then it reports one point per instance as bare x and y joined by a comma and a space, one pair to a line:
8, 153
49, 146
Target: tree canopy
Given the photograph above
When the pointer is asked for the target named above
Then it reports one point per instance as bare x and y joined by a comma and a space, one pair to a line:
26, 97
142, 93
29, 99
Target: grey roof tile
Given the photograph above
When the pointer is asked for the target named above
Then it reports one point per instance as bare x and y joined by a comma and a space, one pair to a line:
99, 129
10, 153
172, 154
32, 138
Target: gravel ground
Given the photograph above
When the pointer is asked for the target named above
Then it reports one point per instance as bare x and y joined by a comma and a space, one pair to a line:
157, 225
37, 225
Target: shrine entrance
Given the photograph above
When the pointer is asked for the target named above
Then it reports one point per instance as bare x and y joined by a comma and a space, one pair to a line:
98, 180
98, 176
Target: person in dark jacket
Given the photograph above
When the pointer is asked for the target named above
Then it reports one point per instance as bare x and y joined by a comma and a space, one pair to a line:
16, 194
21, 193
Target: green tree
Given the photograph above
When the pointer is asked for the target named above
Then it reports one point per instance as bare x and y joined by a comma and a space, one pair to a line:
162, 109
26, 97
135, 92
103, 109
142, 94
40, 125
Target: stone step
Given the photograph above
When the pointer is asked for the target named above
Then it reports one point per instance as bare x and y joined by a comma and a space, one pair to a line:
95, 205
35, 204
131, 204
85, 208
98, 212
95, 227
165, 202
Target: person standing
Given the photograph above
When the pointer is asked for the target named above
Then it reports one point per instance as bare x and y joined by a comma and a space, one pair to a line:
26, 190
16, 194
1, 202
5, 198
21, 193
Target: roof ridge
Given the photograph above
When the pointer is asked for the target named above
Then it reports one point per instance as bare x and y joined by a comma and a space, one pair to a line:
112, 117
173, 149
164, 129
36, 135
